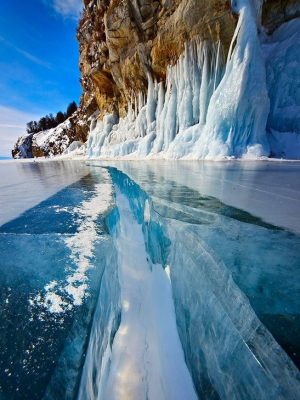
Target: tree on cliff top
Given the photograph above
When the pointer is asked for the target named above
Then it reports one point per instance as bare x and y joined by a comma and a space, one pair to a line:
49, 121
72, 107
60, 117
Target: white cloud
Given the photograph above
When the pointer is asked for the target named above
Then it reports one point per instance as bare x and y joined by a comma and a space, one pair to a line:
33, 58
12, 125
67, 8
25, 54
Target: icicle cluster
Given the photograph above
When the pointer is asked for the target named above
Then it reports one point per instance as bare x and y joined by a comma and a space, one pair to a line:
205, 111
152, 123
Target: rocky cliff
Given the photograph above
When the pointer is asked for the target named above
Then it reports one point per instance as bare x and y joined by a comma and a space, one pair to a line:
123, 42
55, 141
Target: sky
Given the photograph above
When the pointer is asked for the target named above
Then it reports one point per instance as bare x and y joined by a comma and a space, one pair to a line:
38, 63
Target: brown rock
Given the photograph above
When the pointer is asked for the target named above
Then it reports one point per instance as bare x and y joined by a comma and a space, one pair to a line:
276, 12
121, 41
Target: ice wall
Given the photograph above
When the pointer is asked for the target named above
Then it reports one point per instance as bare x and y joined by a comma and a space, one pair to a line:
282, 54
212, 109
152, 124
238, 110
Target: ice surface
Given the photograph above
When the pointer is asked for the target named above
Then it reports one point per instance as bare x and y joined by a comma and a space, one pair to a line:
146, 358
106, 322
249, 186
229, 352
81, 246
175, 290
52, 259
25, 184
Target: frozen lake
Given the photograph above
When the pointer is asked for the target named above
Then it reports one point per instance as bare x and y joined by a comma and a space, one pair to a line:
25, 184
171, 280
268, 190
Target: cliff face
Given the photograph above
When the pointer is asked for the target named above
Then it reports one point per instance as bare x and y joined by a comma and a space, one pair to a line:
53, 141
276, 12
122, 41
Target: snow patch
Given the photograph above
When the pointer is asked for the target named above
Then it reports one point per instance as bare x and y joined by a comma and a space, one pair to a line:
81, 246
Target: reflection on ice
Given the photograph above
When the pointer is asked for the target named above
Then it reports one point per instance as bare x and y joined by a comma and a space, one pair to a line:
250, 186
51, 265
33, 182
146, 358
155, 281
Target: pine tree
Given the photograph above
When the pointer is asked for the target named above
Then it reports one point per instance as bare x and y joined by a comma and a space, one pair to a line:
49, 121
30, 127
72, 107
60, 117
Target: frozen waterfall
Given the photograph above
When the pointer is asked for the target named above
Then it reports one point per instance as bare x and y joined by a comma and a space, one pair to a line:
152, 126
210, 108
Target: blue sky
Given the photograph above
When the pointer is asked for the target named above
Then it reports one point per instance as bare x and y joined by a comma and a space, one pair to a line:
38, 62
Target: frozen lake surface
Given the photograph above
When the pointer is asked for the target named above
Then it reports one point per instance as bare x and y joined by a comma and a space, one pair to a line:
25, 184
159, 280
269, 190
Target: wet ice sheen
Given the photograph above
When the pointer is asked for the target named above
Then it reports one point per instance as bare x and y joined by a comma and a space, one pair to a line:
33, 182
52, 258
146, 358
175, 294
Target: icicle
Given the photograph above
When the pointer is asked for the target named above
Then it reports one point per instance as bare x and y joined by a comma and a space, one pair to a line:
161, 100
217, 65
151, 101
190, 84
238, 110
183, 73
202, 114
204, 90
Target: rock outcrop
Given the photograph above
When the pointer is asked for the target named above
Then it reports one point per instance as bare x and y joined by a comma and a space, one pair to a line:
276, 12
52, 141
123, 41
